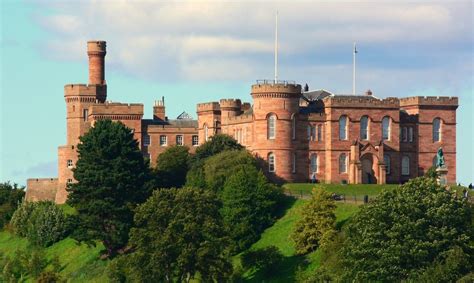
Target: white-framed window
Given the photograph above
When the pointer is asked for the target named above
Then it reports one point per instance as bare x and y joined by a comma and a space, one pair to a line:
69, 181
195, 140
386, 128
293, 163
343, 163
163, 140
293, 126
271, 127
308, 132
314, 163
86, 114
146, 140
405, 165
364, 128
386, 160
343, 128
404, 134
69, 163
320, 132
436, 130
410, 134
271, 162
179, 140
313, 133
206, 132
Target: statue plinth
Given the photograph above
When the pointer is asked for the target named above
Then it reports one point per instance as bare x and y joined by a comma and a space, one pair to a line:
442, 173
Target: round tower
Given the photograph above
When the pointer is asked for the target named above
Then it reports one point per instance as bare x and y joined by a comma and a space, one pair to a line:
96, 52
230, 108
274, 106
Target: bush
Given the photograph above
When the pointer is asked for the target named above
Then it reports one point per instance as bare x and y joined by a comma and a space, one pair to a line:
172, 166
49, 277
23, 263
265, 260
10, 197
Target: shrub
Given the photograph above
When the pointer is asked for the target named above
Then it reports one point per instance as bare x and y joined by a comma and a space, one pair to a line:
172, 166
10, 197
49, 277
265, 260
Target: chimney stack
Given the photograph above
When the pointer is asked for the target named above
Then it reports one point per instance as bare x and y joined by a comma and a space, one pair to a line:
96, 52
159, 110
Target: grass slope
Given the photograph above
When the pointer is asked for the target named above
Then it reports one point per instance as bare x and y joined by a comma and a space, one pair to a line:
349, 190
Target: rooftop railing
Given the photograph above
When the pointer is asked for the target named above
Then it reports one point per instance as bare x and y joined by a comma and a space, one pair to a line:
275, 82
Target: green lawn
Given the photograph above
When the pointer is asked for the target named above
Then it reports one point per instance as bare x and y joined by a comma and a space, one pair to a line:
349, 190
79, 263
279, 235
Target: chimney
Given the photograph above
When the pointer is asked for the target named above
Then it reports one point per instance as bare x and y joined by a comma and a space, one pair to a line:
368, 92
159, 110
96, 52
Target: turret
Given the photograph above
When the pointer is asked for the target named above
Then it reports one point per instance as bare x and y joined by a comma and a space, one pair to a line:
230, 108
96, 52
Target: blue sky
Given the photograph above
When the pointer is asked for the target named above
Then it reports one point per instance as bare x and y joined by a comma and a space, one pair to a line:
194, 52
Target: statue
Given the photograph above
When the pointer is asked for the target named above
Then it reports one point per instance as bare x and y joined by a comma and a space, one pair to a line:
440, 159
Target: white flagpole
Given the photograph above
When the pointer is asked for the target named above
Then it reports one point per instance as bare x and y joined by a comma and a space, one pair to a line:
354, 70
276, 47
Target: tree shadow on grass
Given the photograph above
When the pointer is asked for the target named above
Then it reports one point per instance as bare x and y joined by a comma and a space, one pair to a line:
284, 205
285, 271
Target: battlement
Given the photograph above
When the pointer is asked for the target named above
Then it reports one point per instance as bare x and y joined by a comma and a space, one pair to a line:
231, 103
208, 106
276, 89
361, 102
98, 46
429, 101
240, 119
134, 110
99, 91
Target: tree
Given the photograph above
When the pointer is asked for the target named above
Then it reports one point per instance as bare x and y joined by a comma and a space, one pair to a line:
317, 226
172, 166
10, 197
178, 234
431, 173
111, 179
249, 205
405, 231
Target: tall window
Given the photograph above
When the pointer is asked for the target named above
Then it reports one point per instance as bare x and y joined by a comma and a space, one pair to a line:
364, 125
343, 128
195, 140
343, 163
293, 126
206, 132
309, 132
146, 140
293, 163
69, 163
179, 139
271, 121
405, 165
404, 134
386, 160
320, 132
163, 140
86, 114
436, 130
313, 133
410, 134
314, 163
386, 128
271, 162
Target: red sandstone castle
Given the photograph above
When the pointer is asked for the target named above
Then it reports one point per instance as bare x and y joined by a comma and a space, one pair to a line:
300, 134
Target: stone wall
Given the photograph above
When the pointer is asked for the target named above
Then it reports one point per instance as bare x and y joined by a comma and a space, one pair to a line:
41, 189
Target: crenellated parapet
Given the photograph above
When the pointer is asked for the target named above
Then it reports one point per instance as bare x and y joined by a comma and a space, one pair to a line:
208, 106
348, 101
429, 101
85, 93
230, 104
244, 118
268, 89
117, 111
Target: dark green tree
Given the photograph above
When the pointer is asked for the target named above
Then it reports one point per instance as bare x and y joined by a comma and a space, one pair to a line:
317, 226
249, 205
406, 231
111, 179
172, 167
179, 234
10, 197
431, 173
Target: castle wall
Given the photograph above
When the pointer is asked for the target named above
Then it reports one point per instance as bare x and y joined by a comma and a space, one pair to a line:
41, 189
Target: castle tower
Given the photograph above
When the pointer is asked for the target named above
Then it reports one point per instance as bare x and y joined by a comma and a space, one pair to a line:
230, 108
96, 52
276, 103
209, 120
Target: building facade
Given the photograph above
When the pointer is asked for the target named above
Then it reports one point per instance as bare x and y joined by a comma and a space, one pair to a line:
299, 135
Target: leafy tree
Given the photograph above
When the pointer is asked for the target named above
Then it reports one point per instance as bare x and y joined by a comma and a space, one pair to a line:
178, 234
172, 166
265, 260
317, 226
10, 196
20, 221
431, 173
249, 205
407, 231
111, 179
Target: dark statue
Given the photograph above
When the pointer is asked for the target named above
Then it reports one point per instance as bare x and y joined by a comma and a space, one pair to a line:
440, 159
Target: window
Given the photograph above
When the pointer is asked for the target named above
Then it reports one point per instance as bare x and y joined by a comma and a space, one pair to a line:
309, 132
437, 130
364, 124
386, 160
343, 163
405, 165
163, 140
320, 132
343, 128
271, 120
313, 133
314, 163
404, 133
293, 164
69, 181
386, 128
410, 134
146, 140
271, 162
69, 163
293, 126
205, 132
179, 139
86, 114
195, 140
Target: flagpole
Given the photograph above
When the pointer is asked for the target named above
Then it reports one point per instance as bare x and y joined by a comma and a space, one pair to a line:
276, 47
354, 70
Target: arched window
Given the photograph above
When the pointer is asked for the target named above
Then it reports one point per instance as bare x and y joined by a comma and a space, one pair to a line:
437, 130
320, 132
343, 163
386, 128
314, 163
206, 132
313, 133
386, 160
271, 121
405, 165
364, 128
343, 128
293, 126
404, 134
271, 162
410, 134
293, 163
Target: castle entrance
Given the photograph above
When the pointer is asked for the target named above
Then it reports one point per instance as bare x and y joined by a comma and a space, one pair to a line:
368, 172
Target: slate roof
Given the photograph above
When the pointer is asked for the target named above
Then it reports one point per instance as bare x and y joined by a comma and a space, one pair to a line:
177, 123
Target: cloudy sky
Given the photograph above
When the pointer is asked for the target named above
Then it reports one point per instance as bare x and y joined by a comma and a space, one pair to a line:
193, 52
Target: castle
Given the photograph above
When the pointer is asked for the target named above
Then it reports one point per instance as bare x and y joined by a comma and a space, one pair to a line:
300, 134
